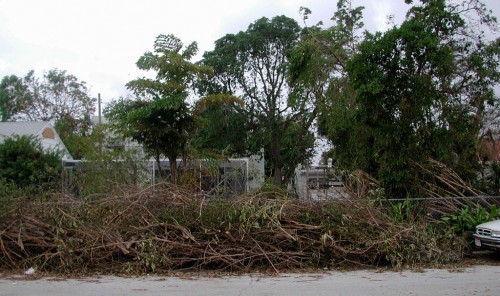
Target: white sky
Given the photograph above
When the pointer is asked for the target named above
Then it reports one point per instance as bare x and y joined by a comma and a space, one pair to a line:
99, 41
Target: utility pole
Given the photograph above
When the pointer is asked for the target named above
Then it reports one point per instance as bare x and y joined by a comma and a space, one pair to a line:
99, 119
99, 107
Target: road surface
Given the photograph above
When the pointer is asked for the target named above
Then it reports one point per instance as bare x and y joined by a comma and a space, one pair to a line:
477, 280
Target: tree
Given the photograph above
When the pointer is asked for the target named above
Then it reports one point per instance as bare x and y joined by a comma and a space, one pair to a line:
221, 125
421, 89
318, 68
318, 62
25, 164
75, 132
253, 65
56, 96
12, 97
160, 118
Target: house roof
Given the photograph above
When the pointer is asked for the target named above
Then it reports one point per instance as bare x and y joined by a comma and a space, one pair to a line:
43, 130
25, 128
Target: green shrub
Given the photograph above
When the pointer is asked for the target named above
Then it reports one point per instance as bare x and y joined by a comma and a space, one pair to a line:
8, 194
468, 218
102, 171
25, 164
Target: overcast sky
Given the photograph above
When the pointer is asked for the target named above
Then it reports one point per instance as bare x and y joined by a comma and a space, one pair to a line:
99, 41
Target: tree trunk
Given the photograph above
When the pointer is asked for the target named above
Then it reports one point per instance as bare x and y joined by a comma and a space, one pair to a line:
158, 163
277, 163
277, 175
173, 168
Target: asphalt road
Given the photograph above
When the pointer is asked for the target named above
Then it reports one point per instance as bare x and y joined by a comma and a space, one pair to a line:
477, 280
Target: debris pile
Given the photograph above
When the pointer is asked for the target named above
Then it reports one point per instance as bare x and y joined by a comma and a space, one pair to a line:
163, 228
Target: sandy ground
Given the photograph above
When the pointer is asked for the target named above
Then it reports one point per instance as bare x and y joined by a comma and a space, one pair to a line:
477, 280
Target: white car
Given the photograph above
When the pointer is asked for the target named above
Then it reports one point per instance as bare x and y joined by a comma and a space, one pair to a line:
487, 235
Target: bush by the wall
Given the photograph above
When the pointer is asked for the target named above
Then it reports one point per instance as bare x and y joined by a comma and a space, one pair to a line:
25, 164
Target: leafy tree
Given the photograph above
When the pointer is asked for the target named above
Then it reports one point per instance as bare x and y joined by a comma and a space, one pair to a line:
24, 163
75, 132
253, 65
107, 165
12, 97
318, 62
56, 96
221, 125
159, 118
421, 89
318, 68
79, 146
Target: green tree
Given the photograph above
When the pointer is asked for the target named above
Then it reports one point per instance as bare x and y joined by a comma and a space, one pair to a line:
24, 163
56, 96
318, 68
75, 132
12, 97
221, 125
318, 62
421, 89
160, 118
253, 65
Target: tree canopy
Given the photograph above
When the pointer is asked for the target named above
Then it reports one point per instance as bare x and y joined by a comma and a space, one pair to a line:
253, 65
220, 126
420, 90
57, 96
54, 96
318, 67
159, 118
13, 97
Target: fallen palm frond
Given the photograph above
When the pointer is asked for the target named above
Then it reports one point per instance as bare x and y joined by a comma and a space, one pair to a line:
163, 228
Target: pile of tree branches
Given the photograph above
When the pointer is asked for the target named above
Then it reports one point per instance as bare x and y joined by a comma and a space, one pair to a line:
163, 228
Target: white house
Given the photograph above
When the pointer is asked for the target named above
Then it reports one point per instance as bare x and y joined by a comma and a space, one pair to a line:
42, 130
